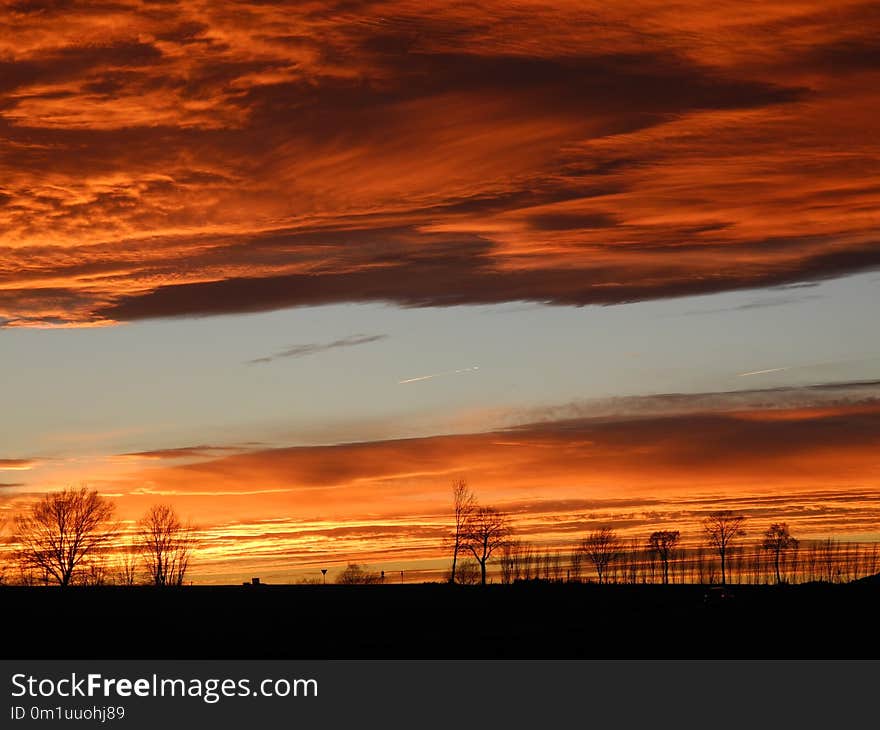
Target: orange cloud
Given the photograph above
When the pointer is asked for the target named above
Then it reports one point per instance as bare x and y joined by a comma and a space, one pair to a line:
661, 462
804, 455
201, 159
17, 464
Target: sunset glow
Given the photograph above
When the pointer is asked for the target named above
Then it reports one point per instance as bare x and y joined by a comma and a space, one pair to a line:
293, 268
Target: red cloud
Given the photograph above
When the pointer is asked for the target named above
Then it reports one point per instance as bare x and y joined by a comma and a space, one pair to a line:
252, 156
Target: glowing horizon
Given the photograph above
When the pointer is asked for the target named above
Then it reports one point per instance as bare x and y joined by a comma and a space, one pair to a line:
293, 268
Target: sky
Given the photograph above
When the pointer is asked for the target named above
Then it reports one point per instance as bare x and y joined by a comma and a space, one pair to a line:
293, 268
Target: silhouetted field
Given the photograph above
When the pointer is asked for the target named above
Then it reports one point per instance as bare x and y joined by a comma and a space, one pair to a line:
533, 620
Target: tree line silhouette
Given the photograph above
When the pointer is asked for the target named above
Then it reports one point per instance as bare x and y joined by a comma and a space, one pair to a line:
70, 537
634, 562
721, 555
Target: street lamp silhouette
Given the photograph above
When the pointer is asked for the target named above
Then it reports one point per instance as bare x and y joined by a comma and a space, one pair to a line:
324, 573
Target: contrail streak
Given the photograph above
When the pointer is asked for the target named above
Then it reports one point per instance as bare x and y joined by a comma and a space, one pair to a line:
762, 372
809, 365
437, 375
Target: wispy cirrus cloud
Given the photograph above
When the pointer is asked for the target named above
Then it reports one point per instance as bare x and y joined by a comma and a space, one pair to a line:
181, 452
313, 348
795, 439
768, 400
17, 464
763, 303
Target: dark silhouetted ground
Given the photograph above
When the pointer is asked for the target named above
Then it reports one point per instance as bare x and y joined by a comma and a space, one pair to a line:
438, 621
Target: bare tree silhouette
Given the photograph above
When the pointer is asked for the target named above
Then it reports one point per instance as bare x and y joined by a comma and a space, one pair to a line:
61, 531
468, 572
633, 561
828, 557
722, 528
3, 565
602, 547
355, 574
546, 564
556, 566
166, 545
576, 564
872, 557
662, 543
509, 561
127, 565
94, 572
528, 560
464, 504
778, 540
487, 531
